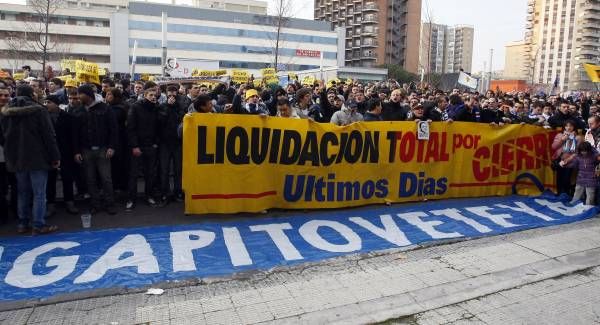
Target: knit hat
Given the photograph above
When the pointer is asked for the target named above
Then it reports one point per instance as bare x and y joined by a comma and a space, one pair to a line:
250, 93
87, 90
341, 97
54, 99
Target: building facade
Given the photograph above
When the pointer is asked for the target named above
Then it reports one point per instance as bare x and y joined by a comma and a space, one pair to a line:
105, 32
516, 66
446, 49
377, 31
250, 6
236, 40
78, 29
560, 36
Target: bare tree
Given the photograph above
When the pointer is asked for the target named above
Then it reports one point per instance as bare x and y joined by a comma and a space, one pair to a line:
282, 14
35, 41
428, 23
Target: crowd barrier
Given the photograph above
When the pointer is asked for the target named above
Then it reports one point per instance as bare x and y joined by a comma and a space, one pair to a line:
236, 163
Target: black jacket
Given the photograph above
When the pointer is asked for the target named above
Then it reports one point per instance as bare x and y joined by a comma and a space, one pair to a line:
96, 127
559, 119
394, 111
142, 124
120, 112
64, 126
370, 117
27, 136
491, 116
169, 119
327, 109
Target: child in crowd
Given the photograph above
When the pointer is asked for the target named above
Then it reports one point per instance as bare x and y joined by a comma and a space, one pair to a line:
585, 162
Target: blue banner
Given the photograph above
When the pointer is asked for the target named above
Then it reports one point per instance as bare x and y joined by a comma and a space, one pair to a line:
43, 266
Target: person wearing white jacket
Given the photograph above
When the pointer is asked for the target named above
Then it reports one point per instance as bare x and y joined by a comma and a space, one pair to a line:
347, 115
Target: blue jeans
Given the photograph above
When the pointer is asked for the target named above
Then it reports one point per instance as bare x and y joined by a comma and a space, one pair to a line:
32, 197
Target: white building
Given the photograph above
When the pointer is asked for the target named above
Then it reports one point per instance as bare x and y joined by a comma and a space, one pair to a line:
250, 6
79, 30
562, 35
104, 31
236, 40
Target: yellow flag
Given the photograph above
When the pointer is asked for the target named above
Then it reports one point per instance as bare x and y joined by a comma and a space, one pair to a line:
240, 76
86, 72
593, 71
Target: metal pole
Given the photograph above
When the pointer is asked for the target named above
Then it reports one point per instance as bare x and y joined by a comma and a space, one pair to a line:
321, 65
133, 59
491, 65
483, 78
164, 43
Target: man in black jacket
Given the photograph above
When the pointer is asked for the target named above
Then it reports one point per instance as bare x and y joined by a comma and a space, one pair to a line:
562, 115
31, 151
95, 145
395, 110
170, 116
63, 123
143, 139
373, 113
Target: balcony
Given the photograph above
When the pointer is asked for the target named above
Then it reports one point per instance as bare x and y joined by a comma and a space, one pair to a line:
369, 33
369, 43
370, 19
370, 7
368, 56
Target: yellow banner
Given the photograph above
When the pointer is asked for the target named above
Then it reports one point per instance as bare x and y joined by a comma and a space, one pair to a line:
268, 72
257, 82
271, 80
308, 80
235, 163
593, 71
240, 76
86, 72
208, 73
68, 64
19, 76
330, 82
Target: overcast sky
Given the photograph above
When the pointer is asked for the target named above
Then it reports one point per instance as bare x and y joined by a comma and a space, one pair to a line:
496, 22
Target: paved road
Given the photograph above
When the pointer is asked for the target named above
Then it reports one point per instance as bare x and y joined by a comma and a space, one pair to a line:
516, 278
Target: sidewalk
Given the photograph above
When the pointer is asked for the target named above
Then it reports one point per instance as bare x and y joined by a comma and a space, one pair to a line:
369, 288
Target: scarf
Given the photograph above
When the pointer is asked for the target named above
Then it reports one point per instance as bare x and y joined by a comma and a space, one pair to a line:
570, 145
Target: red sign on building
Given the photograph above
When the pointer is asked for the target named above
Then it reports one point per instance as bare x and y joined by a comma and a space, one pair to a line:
309, 53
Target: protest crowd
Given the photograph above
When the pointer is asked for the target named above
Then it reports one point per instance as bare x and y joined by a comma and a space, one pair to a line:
96, 140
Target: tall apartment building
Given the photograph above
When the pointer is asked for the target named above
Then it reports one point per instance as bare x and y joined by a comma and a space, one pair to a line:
446, 49
377, 31
560, 36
